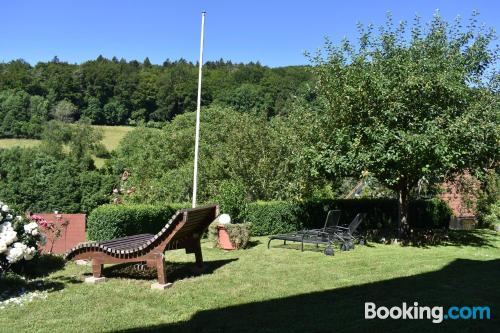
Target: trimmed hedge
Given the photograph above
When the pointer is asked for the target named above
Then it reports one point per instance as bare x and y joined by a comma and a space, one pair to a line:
112, 221
280, 217
273, 217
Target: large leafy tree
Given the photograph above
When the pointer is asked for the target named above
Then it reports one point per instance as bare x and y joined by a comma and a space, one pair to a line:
407, 103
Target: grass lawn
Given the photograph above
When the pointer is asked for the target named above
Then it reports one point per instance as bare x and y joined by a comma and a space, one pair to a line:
276, 290
23, 143
113, 135
111, 138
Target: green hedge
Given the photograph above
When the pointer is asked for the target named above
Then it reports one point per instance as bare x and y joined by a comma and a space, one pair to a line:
280, 217
273, 217
112, 221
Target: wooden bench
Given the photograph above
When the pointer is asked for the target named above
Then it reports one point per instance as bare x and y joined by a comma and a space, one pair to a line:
183, 231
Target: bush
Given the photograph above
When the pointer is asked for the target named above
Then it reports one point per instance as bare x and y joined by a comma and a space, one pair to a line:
280, 217
273, 217
493, 218
232, 199
101, 151
431, 214
239, 234
40, 266
18, 239
112, 221
488, 198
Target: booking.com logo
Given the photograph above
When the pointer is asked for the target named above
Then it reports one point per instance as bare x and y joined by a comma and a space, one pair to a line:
436, 313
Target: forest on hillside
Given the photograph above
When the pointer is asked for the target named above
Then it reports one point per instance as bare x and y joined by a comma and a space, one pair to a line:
119, 92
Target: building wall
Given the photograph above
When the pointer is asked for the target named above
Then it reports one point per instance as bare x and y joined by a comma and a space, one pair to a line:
460, 195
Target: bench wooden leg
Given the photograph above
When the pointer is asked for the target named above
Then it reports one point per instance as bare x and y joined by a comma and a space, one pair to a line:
198, 256
160, 267
96, 268
150, 263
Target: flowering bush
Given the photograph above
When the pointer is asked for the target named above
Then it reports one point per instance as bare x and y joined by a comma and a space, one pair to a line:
50, 230
18, 238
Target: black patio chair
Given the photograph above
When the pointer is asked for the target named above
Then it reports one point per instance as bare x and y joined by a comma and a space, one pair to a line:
347, 235
324, 236
331, 223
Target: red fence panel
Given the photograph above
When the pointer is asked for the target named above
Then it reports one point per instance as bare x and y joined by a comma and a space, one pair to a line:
72, 232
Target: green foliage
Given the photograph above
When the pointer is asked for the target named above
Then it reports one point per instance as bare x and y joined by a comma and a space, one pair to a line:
112, 221
433, 213
493, 218
232, 199
489, 195
49, 178
21, 115
406, 105
40, 266
276, 217
115, 92
239, 234
234, 147
281, 217
65, 111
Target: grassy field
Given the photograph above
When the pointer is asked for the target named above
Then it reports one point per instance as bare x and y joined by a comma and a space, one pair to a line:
111, 138
113, 134
276, 290
23, 143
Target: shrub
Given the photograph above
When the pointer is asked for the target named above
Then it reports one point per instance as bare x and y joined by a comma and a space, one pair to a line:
433, 214
280, 217
232, 199
488, 197
239, 234
112, 221
18, 239
101, 151
273, 217
493, 218
40, 266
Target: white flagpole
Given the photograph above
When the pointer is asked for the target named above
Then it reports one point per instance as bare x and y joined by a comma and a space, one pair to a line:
198, 107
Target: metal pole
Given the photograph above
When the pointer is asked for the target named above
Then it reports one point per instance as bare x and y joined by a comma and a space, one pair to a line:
198, 107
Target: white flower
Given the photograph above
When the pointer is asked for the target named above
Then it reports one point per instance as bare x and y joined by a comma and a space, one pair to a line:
3, 246
29, 253
6, 225
28, 228
5, 208
34, 232
7, 233
16, 252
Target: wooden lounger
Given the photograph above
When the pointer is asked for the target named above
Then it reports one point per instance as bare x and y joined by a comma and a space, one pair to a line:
182, 231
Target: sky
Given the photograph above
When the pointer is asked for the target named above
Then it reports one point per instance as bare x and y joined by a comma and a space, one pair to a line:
274, 32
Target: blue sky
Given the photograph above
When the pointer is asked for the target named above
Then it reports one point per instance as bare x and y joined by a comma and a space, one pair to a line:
276, 33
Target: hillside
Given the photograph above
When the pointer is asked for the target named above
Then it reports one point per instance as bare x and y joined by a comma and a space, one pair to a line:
111, 138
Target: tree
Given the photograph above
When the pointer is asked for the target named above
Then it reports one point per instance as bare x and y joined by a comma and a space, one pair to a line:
65, 111
94, 112
115, 113
406, 106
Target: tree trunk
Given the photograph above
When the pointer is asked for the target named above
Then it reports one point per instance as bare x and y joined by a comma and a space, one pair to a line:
403, 226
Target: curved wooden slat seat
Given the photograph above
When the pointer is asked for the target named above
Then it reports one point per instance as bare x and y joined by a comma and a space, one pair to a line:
182, 231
